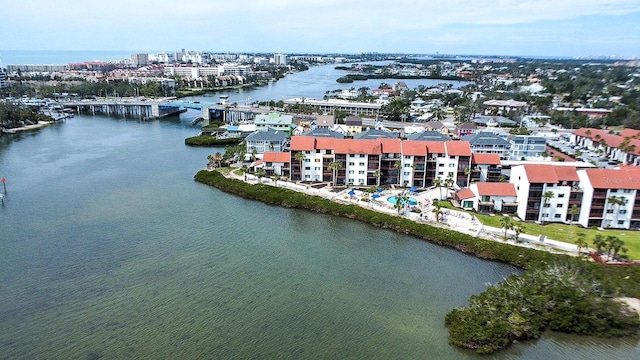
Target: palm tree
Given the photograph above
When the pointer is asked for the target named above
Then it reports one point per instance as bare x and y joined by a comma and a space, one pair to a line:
259, 174
507, 224
401, 201
437, 210
245, 169
546, 197
518, 229
581, 242
334, 166
300, 156
599, 242
617, 201
275, 179
377, 175
438, 183
467, 172
612, 242
398, 166
573, 211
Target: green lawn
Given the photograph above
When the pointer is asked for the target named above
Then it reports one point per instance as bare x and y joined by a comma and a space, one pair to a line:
560, 232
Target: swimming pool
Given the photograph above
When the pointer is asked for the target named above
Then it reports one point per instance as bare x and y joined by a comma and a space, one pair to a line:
394, 200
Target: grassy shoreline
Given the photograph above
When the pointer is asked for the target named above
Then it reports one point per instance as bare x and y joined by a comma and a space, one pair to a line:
621, 281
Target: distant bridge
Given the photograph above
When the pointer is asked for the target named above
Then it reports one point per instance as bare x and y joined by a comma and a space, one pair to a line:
155, 109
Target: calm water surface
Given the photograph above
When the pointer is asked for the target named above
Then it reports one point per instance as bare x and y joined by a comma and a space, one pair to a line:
108, 248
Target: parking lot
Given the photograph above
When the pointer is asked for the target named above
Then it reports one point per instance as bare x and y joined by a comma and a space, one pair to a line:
586, 155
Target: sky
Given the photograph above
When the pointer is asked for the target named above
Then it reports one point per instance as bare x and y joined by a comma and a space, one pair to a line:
573, 28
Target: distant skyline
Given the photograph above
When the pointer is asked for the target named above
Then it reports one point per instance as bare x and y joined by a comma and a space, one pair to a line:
567, 28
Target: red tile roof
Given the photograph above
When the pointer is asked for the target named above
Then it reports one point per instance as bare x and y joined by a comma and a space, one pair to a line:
302, 143
277, 157
458, 148
611, 140
465, 193
540, 173
485, 159
351, 146
435, 147
496, 189
390, 146
630, 133
625, 178
414, 148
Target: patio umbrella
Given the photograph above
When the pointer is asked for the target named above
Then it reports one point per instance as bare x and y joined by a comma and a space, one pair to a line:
379, 190
413, 189
375, 196
351, 192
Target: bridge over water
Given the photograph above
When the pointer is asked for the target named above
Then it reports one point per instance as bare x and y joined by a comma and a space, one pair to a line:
155, 109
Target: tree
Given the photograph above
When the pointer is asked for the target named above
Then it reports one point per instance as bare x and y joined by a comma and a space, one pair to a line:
401, 201
259, 174
581, 242
377, 174
573, 211
518, 229
467, 172
437, 210
275, 179
546, 197
398, 166
438, 183
506, 223
245, 169
300, 156
544, 155
613, 243
617, 202
334, 166
599, 242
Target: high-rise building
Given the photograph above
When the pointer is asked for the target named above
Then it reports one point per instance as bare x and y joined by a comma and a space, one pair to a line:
280, 59
3, 78
140, 59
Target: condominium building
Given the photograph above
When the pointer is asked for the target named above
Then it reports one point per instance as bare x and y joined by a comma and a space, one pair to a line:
380, 161
330, 105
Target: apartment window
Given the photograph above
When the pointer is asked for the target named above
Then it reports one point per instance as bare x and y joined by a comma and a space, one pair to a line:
362, 155
352, 172
307, 160
450, 174
406, 173
407, 157
317, 168
440, 173
307, 176
361, 164
361, 172
627, 191
560, 195
623, 212
620, 222
318, 151
557, 216
545, 215
441, 165
307, 152
452, 165
329, 152
609, 211
317, 160
352, 164
559, 205
307, 167
452, 157
407, 165
547, 205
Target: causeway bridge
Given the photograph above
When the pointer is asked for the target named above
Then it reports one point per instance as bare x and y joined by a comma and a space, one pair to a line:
147, 109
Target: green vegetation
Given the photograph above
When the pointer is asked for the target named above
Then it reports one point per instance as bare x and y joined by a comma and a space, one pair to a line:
12, 116
560, 298
206, 140
546, 296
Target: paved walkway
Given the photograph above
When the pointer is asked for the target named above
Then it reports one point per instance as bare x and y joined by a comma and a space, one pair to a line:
460, 221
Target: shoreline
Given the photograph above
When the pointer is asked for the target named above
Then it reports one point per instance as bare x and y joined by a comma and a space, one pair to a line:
39, 125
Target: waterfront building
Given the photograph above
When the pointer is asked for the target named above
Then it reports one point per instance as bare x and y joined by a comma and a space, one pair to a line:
267, 140
330, 105
275, 121
273, 163
611, 198
280, 60
396, 161
488, 198
485, 168
27, 68
546, 192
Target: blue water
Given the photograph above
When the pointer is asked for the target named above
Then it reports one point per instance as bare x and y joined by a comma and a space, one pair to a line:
394, 200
